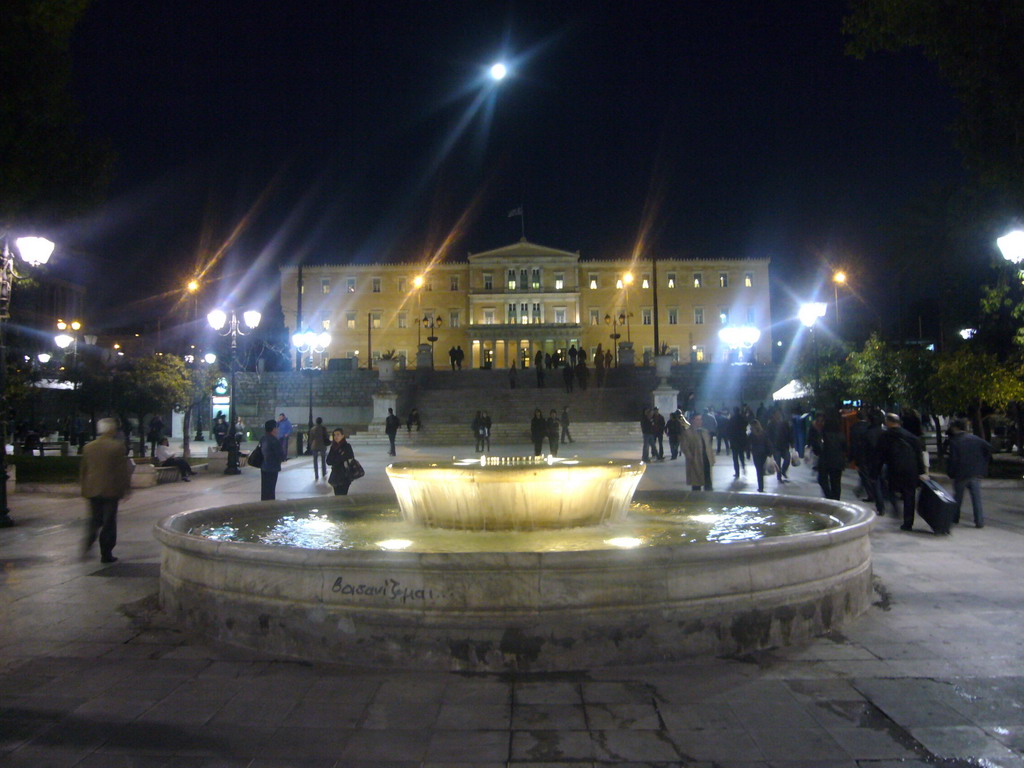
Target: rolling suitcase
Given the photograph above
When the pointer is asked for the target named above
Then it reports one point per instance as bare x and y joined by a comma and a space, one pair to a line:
936, 506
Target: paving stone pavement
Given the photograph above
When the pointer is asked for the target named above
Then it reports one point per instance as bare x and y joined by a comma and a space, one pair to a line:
92, 675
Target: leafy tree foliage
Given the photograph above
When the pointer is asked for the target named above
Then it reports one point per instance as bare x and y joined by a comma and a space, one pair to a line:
968, 378
47, 169
150, 386
826, 365
975, 44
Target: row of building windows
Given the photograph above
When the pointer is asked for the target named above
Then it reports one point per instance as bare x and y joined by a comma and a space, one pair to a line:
697, 354
530, 279
526, 313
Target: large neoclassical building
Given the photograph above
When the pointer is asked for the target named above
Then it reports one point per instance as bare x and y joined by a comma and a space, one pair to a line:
506, 304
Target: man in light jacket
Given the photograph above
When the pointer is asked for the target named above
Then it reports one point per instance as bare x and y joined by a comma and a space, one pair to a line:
969, 457
106, 479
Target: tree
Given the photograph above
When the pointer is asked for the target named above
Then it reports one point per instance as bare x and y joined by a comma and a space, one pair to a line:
975, 44
967, 379
875, 377
825, 365
150, 386
48, 171
200, 383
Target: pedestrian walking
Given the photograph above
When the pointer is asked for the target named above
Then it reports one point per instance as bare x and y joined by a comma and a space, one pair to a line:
699, 456
647, 431
273, 454
903, 466
338, 457
478, 432
572, 356
487, 430
538, 430
582, 373
567, 372
738, 441
539, 367
554, 429
452, 357
154, 435
105, 479
831, 457
566, 437
658, 433
969, 457
391, 426
284, 431
674, 430
760, 449
413, 420
318, 448
512, 376
781, 437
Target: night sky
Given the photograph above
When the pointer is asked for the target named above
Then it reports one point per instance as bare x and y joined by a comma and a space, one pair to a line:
359, 132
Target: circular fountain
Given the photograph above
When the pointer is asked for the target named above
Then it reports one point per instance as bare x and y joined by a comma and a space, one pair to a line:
517, 563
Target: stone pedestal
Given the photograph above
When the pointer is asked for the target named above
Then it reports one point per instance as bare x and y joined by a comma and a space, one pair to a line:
386, 369
424, 359
627, 356
665, 399
381, 402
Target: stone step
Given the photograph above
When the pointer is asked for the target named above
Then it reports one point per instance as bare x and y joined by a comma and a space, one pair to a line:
503, 433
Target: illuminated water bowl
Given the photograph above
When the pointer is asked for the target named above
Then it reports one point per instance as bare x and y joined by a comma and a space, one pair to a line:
679, 576
514, 493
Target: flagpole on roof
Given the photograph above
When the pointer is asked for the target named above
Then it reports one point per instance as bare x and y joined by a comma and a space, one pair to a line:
522, 220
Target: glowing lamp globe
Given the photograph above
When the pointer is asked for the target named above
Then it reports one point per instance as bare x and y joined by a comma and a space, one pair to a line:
34, 250
810, 312
216, 319
252, 318
62, 340
1012, 246
498, 71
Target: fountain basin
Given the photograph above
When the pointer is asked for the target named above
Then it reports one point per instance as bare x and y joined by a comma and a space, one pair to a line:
517, 610
528, 493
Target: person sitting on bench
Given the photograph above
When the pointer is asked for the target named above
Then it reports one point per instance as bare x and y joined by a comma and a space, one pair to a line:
165, 458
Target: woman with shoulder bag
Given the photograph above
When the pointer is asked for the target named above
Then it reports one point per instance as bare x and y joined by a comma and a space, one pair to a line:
338, 457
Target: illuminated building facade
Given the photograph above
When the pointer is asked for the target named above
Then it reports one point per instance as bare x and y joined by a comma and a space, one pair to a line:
509, 303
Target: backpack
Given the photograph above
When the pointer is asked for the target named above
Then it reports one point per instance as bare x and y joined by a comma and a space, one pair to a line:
255, 457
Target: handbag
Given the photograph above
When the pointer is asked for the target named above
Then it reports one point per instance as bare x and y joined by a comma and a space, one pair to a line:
355, 469
255, 458
794, 458
769, 466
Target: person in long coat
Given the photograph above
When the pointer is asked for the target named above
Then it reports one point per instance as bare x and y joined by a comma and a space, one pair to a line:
700, 457
760, 449
538, 431
338, 457
554, 427
106, 479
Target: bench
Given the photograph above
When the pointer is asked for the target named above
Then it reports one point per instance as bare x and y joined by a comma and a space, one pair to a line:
63, 447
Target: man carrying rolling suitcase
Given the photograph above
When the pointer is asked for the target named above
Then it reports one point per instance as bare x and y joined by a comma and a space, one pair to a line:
900, 452
969, 457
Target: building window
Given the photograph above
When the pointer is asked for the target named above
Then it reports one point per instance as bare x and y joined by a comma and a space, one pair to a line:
671, 279
674, 351
723, 315
595, 316
537, 316
512, 314
403, 319
350, 320
453, 283
428, 284
646, 316
748, 280
723, 279
512, 281
618, 283
325, 325
488, 317
375, 320
350, 284
453, 319
750, 317
535, 279
488, 281
523, 282
524, 312
401, 285
559, 281
698, 280
673, 316
645, 281
325, 285
698, 315
560, 314
698, 354
592, 279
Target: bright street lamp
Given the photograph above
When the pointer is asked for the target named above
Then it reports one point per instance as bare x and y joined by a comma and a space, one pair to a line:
498, 71
809, 314
839, 278
968, 333
739, 336
1012, 246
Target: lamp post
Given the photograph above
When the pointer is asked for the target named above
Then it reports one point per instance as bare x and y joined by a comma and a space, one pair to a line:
615, 322
431, 322
313, 343
809, 314
739, 337
65, 340
34, 251
1012, 247
219, 319
838, 278
417, 283
627, 280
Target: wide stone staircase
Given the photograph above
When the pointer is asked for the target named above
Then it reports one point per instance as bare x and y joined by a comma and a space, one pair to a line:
448, 401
